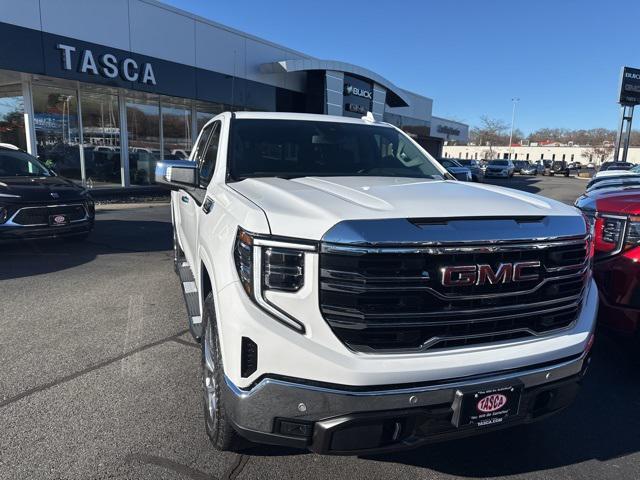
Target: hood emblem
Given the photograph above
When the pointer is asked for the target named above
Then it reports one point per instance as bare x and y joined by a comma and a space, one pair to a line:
54, 195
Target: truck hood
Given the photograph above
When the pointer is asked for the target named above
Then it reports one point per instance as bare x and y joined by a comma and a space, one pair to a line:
620, 200
308, 207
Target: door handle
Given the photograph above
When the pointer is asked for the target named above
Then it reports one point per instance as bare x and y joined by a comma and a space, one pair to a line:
207, 205
184, 199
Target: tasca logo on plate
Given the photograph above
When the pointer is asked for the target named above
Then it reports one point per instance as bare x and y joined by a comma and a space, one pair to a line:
492, 403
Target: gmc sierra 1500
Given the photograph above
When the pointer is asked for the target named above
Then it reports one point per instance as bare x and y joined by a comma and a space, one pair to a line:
350, 296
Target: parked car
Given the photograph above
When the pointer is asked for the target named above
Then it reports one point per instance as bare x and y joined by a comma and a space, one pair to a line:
458, 171
615, 213
616, 171
519, 164
37, 203
475, 166
616, 166
499, 168
359, 303
529, 168
612, 181
180, 154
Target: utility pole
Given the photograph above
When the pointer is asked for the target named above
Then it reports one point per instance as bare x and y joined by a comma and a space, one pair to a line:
514, 100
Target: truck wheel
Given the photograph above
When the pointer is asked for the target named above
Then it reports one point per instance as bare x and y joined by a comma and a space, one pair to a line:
217, 422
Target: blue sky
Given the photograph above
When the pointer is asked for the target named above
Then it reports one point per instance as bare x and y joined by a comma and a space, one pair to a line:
561, 57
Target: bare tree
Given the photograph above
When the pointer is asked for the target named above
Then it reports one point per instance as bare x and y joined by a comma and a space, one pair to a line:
489, 133
598, 154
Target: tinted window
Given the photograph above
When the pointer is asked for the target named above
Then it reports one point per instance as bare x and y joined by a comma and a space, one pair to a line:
20, 164
500, 163
288, 148
202, 143
207, 163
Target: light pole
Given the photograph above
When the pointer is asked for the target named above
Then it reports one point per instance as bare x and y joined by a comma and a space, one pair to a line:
515, 100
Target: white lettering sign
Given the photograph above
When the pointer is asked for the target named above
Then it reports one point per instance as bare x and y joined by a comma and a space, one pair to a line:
108, 65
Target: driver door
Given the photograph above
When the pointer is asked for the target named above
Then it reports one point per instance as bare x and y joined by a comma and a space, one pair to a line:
190, 199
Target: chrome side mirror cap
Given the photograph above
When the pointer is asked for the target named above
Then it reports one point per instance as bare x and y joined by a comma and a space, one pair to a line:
177, 174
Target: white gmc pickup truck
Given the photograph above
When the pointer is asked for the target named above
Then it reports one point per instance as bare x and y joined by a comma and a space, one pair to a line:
351, 297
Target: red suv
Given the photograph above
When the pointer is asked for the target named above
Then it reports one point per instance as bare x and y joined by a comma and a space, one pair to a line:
615, 213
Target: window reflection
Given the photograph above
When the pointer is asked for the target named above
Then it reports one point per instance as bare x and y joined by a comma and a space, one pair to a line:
176, 131
101, 138
143, 124
56, 125
12, 116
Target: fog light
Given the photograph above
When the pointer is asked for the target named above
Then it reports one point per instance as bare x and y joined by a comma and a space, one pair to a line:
294, 428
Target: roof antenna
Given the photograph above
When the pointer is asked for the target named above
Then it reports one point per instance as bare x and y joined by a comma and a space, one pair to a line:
369, 117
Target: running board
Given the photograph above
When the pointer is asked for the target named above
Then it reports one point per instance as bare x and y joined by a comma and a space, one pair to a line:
191, 299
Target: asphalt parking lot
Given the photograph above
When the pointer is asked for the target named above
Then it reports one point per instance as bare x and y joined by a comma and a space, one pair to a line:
99, 379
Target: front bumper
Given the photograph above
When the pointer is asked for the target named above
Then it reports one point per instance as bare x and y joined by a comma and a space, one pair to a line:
618, 279
339, 420
42, 232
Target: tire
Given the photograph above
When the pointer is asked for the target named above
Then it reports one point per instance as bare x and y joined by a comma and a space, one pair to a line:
217, 422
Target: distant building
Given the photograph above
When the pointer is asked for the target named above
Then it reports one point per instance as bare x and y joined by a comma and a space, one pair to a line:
539, 151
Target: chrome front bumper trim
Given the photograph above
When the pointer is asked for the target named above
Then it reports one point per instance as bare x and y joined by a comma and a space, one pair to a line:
257, 408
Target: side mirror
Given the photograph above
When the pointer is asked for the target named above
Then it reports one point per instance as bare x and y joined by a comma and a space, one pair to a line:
177, 174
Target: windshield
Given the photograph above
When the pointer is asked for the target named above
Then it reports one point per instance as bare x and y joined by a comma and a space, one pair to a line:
289, 149
14, 163
500, 163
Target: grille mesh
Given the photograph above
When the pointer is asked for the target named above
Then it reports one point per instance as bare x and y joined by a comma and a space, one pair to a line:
384, 300
40, 215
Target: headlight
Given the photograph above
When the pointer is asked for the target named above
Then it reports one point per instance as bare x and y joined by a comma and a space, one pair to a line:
267, 264
615, 233
633, 232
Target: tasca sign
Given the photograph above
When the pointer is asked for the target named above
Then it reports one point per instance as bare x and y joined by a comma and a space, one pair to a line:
629, 86
106, 65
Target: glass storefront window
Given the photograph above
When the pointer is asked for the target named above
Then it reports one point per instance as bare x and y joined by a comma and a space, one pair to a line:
206, 111
176, 131
56, 125
143, 125
12, 116
101, 138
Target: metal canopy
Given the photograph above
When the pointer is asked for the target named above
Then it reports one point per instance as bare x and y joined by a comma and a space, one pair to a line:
395, 96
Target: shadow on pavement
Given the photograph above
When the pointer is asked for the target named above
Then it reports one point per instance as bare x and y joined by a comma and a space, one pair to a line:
131, 233
603, 424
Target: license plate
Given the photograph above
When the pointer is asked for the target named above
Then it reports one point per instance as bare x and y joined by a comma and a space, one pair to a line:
58, 220
483, 407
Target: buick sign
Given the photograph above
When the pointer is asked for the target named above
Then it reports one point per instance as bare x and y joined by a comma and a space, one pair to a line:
106, 65
358, 92
629, 86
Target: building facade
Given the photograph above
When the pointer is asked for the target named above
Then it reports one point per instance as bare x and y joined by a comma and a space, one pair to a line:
102, 90
584, 155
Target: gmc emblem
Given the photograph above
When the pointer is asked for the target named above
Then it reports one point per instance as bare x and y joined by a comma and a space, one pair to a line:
481, 274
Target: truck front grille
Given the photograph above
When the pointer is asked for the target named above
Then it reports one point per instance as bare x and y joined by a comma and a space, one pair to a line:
392, 299
32, 216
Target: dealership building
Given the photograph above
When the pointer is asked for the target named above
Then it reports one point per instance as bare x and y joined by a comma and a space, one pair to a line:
102, 90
